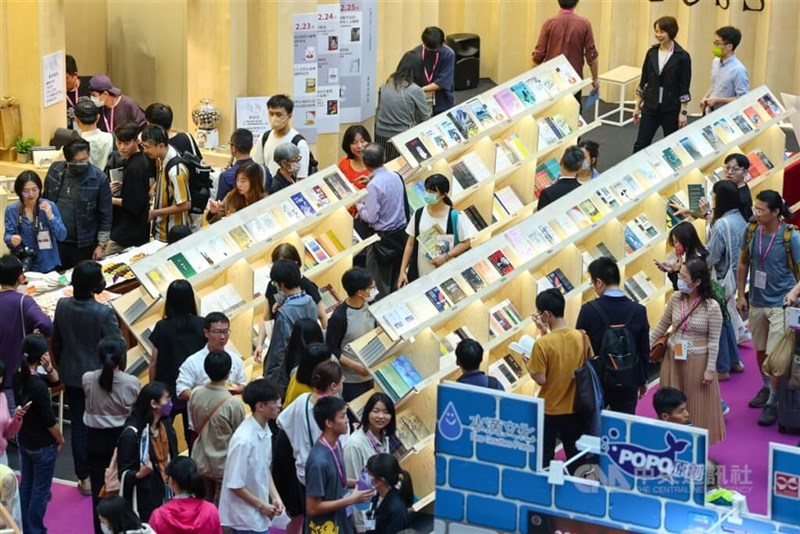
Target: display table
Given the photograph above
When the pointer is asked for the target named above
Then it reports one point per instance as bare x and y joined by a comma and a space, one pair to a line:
621, 77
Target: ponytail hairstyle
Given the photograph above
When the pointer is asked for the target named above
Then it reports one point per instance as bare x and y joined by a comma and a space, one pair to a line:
111, 352
183, 471
314, 354
34, 346
440, 184
774, 202
386, 468
325, 375
698, 270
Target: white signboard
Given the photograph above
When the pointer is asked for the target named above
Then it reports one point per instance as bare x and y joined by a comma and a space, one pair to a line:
251, 113
53, 78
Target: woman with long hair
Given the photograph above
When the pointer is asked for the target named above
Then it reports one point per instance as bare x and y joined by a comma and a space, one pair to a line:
110, 396
187, 512
354, 140
146, 446
249, 190
690, 366
378, 424
306, 349
178, 335
40, 440
117, 517
438, 210
33, 225
395, 494
685, 241
401, 102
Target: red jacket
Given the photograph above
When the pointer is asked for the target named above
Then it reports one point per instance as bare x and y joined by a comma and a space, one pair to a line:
186, 516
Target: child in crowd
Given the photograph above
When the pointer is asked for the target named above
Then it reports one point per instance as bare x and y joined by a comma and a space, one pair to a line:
396, 494
670, 406
186, 512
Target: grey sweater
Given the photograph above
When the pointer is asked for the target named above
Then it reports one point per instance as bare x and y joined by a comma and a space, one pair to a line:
296, 307
400, 109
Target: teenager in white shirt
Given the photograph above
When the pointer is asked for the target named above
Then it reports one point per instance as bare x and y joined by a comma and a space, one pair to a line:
280, 109
100, 143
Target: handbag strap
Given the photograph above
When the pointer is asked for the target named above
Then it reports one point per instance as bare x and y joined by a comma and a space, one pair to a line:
586, 347
308, 421
217, 407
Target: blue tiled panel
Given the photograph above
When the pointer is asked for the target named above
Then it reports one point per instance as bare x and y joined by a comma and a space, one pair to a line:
493, 513
581, 499
474, 476
449, 504
527, 487
441, 470
680, 517
453, 437
634, 509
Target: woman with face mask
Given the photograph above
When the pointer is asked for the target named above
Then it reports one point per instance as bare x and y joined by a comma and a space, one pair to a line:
287, 156
685, 241
453, 233
389, 513
146, 446
691, 363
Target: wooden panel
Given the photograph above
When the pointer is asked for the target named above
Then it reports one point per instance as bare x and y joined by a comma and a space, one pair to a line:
89, 47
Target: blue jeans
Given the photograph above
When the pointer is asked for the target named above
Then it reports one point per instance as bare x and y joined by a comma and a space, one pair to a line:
38, 467
76, 400
728, 354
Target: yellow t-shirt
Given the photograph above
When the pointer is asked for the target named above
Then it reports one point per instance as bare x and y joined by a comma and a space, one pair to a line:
556, 355
295, 389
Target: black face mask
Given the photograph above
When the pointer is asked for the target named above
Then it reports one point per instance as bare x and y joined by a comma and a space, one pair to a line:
78, 168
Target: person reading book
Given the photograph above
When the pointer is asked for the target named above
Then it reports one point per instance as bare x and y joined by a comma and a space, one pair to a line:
469, 355
248, 190
436, 233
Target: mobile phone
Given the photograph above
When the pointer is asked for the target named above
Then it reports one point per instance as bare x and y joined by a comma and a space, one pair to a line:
28, 404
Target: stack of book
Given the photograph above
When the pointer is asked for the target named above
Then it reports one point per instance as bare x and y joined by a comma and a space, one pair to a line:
552, 130
639, 287
546, 173
398, 377
321, 248
469, 170
507, 371
449, 342
503, 317
506, 203
410, 429
509, 152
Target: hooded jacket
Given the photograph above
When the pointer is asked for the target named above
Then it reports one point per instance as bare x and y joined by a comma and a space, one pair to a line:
188, 515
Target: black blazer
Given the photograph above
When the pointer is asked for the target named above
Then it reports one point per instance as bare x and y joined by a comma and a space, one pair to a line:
675, 79
561, 187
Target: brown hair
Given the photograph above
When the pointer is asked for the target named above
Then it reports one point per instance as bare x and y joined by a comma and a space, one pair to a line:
668, 25
234, 201
286, 251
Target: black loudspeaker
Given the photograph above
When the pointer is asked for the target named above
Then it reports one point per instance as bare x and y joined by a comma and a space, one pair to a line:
467, 47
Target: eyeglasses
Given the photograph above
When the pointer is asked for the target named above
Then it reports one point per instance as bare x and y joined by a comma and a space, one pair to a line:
222, 332
30, 192
733, 169
718, 43
759, 211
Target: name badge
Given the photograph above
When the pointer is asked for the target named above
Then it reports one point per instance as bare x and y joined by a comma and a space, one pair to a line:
681, 349
369, 525
761, 280
43, 239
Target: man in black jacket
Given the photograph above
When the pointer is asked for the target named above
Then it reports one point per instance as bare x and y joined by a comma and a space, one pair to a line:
571, 163
616, 309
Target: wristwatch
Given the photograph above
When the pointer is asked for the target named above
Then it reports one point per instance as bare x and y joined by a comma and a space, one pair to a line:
684, 112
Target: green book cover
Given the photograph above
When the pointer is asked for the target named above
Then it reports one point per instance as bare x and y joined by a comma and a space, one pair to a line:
696, 192
183, 265
393, 379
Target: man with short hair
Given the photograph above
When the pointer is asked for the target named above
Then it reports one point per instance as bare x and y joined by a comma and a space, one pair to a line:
217, 414
131, 195
280, 109
729, 78
83, 197
736, 167
571, 35
438, 61
556, 355
115, 108
469, 355
327, 497
241, 144
100, 143
613, 308
21, 316
571, 164
172, 203
386, 211
75, 89
161, 114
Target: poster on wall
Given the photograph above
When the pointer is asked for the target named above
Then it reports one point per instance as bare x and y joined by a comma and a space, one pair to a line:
53, 78
305, 76
251, 113
327, 26
305, 117
357, 59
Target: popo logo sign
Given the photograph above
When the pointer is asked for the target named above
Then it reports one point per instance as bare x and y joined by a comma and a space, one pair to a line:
786, 485
646, 463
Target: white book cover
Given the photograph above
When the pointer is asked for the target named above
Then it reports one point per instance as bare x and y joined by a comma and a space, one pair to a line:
701, 144
647, 227
537, 88
494, 110
607, 198
520, 244
567, 225
547, 136
645, 283
198, 262
504, 158
548, 233
537, 241
261, 279
543, 284
515, 144
580, 218
434, 140
224, 299
638, 232
509, 199
476, 166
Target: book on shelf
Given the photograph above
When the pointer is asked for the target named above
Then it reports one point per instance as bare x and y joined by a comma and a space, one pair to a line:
701, 144
560, 124
548, 133
478, 110
632, 242
713, 139
400, 318
302, 204
410, 429
316, 250
549, 83
678, 199
449, 342
462, 175
398, 377
634, 290
437, 298
672, 159
493, 108
318, 197
646, 175
591, 211
566, 224
451, 132
751, 113
723, 129
225, 299
696, 192
536, 87
579, 216
605, 251
503, 317
542, 181
340, 187
517, 147
514, 365
500, 261
523, 94
434, 140
559, 281
471, 276
647, 229
586, 260
183, 265
503, 374
543, 284
309, 260
373, 352
566, 76
330, 243
770, 105
215, 250
476, 166
741, 123
551, 167
690, 149
508, 200
645, 283
261, 279
504, 158
462, 120
509, 102
453, 290
759, 163
607, 198
548, 234
290, 211
329, 298
486, 272
520, 243
418, 149
475, 217
257, 229
241, 237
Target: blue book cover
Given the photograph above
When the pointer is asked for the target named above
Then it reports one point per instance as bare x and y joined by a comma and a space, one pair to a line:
631, 239
406, 370
302, 204
524, 94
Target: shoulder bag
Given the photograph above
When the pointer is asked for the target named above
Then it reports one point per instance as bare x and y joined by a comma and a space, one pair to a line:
585, 400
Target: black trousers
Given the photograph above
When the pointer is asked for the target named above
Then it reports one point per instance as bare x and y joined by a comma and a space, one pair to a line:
622, 400
568, 428
100, 447
649, 123
181, 406
71, 254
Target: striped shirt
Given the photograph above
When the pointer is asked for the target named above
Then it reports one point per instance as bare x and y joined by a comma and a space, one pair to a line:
172, 189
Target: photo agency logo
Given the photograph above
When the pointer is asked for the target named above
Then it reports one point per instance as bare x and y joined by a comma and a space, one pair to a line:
489, 430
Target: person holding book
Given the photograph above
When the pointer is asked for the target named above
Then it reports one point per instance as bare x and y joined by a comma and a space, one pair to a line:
401, 103
130, 195
349, 321
729, 78
695, 320
437, 233
390, 512
378, 424
327, 499
301, 359
571, 164
249, 190
663, 93
469, 355
438, 68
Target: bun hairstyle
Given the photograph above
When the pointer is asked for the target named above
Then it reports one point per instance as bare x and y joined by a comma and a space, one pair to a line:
440, 184
386, 468
33, 348
111, 352
183, 471
325, 375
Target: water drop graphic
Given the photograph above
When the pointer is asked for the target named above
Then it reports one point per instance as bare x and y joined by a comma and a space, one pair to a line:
450, 423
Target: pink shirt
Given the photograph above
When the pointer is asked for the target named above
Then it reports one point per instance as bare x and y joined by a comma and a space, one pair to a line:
9, 426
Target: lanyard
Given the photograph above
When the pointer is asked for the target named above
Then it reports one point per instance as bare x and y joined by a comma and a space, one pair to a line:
429, 77
763, 256
378, 447
36, 221
293, 297
110, 123
339, 463
684, 325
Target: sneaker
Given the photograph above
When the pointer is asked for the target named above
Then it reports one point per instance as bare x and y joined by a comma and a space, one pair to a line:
722, 377
760, 400
744, 337
85, 487
769, 416
738, 367
725, 408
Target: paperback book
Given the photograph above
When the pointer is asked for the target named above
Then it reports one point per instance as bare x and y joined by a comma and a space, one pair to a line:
437, 298
559, 281
466, 126
451, 132
500, 261
479, 111
509, 103
418, 149
473, 279
493, 109
453, 291
329, 298
400, 318
319, 198
338, 185
523, 94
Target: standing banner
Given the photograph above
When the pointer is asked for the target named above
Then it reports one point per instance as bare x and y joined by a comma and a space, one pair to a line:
358, 59
328, 68
305, 82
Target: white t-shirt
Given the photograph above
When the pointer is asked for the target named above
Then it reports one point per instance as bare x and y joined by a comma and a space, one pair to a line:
247, 466
424, 265
264, 152
100, 146
192, 373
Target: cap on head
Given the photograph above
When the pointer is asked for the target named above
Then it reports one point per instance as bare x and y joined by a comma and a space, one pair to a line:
102, 83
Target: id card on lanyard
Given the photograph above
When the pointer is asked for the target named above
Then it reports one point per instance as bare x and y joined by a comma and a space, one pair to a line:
760, 281
338, 461
682, 343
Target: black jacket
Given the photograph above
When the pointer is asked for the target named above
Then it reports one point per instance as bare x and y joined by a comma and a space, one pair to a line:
675, 79
561, 187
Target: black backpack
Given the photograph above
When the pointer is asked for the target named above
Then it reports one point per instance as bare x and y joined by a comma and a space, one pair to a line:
199, 179
313, 164
618, 362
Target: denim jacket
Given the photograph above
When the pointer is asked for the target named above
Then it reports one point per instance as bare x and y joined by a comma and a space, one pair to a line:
94, 202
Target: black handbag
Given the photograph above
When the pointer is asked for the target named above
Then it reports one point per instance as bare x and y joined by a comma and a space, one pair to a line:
389, 249
584, 402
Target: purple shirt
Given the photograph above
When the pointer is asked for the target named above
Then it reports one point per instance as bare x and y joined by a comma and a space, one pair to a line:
127, 109
18, 321
384, 207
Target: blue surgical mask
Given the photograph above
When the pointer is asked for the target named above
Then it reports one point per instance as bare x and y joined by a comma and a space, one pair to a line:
586, 165
684, 288
429, 198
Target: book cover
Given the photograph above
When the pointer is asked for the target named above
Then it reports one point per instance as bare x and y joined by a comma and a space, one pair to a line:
630, 290
500, 262
473, 279
548, 234
397, 387
475, 216
696, 192
256, 229
450, 131
479, 111
690, 149
338, 185
508, 102
515, 144
463, 122
560, 281
543, 284
292, 209
435, 140
437, 298
418, 149
469, 226
763, 157
753, 116
493, 108
631, 184
607, 197
672, 159
549, 84
724, 131
701, 144
757, 167
547, 136
565, 77
400, 318
316, 250
453, 290
486, 271
632, 243
499, 370
502, 320
443, 244
330, 243
476, 166
538, 89
591, 210
712, 138
241, 237
579, 216
319, 197
463, 175
520, 243
406, 370
504, 158
646, 226
329, 298
741, 123
411, 421
183, 265
524, 94
645, 283
562, 124
512, 363
770, 105
407, 440
586, 260
510, 201
605, 251
268, 222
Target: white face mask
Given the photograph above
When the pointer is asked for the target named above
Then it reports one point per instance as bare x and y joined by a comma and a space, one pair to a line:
97, 101
106, 529
373, 294
684, 288
586, 165
294, 167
